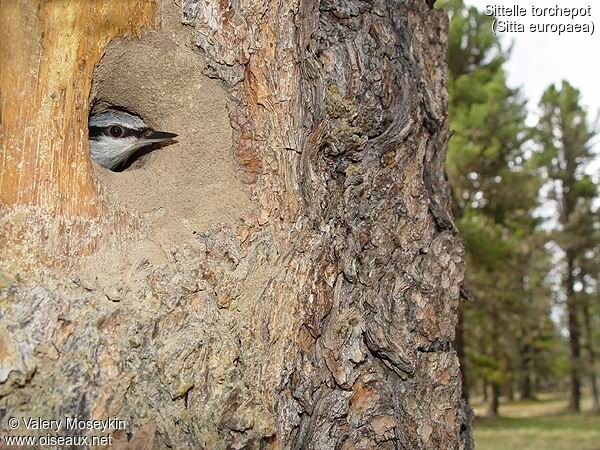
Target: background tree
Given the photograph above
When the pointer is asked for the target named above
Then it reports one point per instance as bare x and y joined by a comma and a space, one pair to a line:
564, 135
495, 193
591, 302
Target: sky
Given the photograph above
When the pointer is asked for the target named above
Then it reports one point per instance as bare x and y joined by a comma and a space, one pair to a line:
539, 59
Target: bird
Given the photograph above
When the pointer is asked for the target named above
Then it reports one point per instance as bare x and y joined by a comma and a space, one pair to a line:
115, 135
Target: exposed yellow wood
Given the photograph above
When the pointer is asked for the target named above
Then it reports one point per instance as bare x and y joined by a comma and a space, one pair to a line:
48, 49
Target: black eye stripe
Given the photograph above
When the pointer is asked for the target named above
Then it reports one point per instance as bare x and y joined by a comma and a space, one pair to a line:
96, 132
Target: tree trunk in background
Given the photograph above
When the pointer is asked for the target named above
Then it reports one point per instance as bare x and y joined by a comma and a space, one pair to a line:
510, 391
525, 385
324, 321
525, 370
459, 344
494, 400
591, 354
574, 332
495, 384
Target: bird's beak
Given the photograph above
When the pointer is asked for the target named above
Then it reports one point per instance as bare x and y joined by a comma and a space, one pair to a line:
152, 136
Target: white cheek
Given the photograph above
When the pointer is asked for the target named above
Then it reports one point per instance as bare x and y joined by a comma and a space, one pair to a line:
129, 144
110, 152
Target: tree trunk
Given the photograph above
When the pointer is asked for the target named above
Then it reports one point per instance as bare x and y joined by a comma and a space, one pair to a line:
494, 400
591, 354
459, 344
526, 385
318, 314
509, 389
574, 344
500, 368
485, 390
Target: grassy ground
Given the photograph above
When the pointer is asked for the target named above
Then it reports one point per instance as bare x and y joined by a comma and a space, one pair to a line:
536, 425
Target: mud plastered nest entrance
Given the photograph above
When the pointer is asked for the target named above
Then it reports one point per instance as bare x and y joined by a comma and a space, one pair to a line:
190, 185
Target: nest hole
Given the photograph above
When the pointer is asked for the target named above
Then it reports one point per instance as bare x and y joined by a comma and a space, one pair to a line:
187, 185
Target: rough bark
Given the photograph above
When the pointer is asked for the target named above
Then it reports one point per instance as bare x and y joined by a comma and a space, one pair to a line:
326, 319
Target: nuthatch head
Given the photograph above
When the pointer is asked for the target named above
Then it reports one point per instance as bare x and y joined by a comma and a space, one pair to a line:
116, 135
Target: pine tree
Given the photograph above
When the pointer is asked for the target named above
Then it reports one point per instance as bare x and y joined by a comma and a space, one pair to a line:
495, 192
564, 135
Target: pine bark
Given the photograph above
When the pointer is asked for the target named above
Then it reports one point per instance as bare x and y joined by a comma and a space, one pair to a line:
327, 322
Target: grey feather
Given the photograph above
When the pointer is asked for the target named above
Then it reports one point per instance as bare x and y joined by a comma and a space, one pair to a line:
116, 117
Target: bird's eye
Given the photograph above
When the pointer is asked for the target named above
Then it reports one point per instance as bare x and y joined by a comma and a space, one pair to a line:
115, 131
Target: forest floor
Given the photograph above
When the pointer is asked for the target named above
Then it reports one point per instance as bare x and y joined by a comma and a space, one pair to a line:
536, 425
